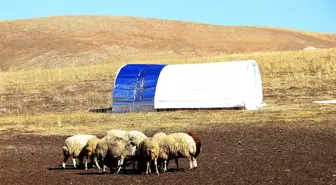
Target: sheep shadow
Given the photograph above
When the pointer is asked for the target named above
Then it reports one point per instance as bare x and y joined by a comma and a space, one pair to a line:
129, 172
108, 172
61, 169
67, 167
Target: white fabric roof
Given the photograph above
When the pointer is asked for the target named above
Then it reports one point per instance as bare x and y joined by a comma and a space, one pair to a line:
210, 85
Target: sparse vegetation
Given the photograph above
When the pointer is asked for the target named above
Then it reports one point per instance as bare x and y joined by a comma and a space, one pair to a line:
56, 100
87, 40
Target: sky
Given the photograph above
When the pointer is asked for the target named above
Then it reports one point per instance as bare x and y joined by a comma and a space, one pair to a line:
308, 15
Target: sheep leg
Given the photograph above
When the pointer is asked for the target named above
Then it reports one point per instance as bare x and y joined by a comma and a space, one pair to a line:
66, 157
190, 163
86, 161
149, 167
177, 165
120, 163
156, 167
101, 159
74, 162
92, 161
81, 158
148, 170
165, 165
96, 161
104, 168
194, 162
138, 166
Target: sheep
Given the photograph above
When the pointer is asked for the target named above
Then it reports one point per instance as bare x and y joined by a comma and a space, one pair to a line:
90, 148
198, 148
134, 136
114, 148
148, 151
177, 145
74, 146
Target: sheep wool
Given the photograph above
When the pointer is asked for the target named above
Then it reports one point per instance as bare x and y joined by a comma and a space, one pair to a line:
74, 146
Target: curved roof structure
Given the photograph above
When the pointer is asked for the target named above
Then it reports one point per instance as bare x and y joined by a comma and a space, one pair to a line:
150, 87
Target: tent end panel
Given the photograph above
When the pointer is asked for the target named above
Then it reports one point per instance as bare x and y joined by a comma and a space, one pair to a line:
134, 88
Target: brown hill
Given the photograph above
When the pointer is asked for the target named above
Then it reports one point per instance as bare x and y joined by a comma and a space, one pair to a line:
83, 40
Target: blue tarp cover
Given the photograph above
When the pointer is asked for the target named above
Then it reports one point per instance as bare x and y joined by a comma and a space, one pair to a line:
134, 89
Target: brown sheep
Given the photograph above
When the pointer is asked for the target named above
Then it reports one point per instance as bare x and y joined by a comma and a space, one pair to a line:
198, 143
90, 152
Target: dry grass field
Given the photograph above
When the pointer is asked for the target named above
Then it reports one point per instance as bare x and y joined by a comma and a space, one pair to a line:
56, 101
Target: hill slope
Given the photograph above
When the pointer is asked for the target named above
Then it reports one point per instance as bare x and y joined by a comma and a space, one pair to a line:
83, 40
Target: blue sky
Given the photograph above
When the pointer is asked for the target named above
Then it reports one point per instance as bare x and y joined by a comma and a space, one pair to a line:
310, 15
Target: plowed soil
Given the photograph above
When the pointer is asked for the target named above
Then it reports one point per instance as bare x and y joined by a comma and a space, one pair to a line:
230, 155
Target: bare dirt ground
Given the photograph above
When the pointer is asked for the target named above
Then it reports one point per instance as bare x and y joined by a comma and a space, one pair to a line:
231, 155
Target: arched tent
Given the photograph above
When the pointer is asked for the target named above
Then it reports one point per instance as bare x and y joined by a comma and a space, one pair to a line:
150, 87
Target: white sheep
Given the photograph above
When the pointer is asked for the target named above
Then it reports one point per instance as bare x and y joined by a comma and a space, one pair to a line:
74, 146
114, 148
198, 148
147, 152
177, 145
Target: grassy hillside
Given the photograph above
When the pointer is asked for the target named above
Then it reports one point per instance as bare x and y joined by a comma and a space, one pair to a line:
92, 40
55, 101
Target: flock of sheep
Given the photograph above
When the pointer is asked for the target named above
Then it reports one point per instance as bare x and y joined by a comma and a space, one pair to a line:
134, 147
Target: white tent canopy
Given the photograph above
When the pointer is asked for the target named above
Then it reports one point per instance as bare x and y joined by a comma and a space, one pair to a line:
210, 85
